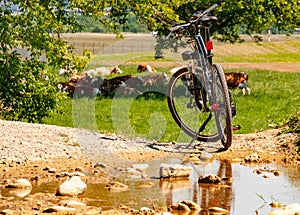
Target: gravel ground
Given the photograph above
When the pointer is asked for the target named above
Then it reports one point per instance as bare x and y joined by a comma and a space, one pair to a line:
43, 153
21, 142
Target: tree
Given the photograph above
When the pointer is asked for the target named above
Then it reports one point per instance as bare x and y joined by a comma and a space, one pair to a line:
254, 15
33, 27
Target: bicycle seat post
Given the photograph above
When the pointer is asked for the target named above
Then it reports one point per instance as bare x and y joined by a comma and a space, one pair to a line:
208, 43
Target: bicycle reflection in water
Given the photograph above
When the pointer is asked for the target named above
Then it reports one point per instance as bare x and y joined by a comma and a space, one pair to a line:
206, 195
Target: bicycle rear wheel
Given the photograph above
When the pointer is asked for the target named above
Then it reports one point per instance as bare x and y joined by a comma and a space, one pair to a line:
221, 105
187, 104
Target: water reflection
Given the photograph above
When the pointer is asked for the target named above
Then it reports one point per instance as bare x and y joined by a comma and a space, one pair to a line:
206, 195
242, 191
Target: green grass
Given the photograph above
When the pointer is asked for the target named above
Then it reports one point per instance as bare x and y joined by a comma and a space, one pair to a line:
274, 96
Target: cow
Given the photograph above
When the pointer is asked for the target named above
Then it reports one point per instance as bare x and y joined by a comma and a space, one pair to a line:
153, 79
145, 68
109, 85
83, 77
68, 87
86, 91
116, 70
238, 80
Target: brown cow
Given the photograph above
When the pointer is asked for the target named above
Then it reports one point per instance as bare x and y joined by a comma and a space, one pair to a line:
76, 77
68, 87
116, 70
238, 79
145, 68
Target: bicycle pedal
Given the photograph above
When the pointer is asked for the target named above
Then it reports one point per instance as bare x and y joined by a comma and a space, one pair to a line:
236, 127
233, 110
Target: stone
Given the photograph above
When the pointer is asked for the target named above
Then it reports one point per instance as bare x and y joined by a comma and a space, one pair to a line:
79, 169
179, 207
291, 209
75, 204
60, 209
101, 165
192, 205
146, 185
117, 186
145, 210
72, 187
132, 172
46, 168
20, 192
210, 179
174, 171
52, 170
140, 167
71, 174
7, 212
218, 210
254, 158
20, 183
277, 173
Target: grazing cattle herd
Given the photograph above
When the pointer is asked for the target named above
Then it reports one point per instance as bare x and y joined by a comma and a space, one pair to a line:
87, 85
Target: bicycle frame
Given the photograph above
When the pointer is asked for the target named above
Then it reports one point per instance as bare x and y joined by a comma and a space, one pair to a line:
204, 61
206, 93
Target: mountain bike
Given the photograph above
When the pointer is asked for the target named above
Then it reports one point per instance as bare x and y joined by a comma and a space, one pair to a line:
197, 94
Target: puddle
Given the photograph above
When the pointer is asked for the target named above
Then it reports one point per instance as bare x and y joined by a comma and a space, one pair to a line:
247, 192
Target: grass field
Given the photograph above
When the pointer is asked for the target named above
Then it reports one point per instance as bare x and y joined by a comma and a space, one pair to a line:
274, 95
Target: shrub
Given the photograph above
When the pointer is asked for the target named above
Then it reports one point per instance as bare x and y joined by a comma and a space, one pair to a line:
24, 93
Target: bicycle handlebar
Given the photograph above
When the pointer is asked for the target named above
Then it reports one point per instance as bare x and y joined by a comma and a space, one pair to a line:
196, 21
211, 8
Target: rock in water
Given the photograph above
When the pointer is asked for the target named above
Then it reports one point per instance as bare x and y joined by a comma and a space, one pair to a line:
60, 209
72, 187
20, 183
174, 171
116, 186
210, 179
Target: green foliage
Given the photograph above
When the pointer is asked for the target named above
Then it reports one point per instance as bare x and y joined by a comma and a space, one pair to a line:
255, 16
24, 94
34, 30
90, 24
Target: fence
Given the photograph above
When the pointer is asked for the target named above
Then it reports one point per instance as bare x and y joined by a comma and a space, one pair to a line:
97, 48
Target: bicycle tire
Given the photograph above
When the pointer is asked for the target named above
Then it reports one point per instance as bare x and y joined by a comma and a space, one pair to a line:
189, 119
223, 116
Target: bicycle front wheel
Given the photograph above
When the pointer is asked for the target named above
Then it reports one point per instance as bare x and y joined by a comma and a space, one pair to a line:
221, 106
188, 105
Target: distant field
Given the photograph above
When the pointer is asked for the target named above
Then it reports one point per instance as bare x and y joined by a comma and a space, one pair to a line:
281, 54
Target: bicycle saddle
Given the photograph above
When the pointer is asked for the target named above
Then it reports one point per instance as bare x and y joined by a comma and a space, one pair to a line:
206, 18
